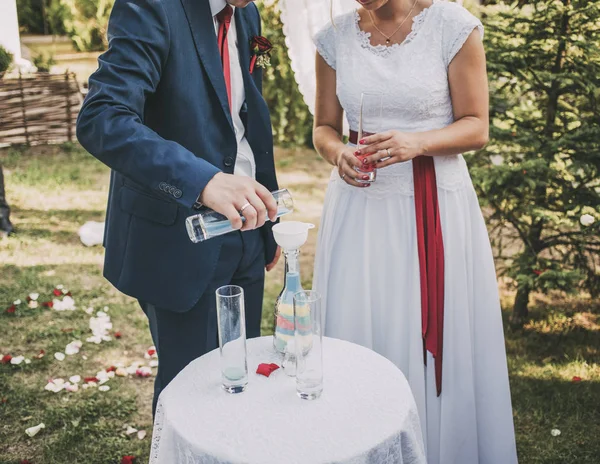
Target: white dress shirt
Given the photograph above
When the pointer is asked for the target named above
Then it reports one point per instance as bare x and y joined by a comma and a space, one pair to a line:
245, 164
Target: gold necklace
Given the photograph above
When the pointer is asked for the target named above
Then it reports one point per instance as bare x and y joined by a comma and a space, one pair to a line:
388, 39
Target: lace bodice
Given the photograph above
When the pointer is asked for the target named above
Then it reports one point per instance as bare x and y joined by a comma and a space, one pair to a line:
411, 76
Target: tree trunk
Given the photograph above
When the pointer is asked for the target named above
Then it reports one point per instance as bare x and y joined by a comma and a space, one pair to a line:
520, 309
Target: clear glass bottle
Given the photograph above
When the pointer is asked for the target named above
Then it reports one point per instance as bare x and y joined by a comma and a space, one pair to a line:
208, 224
284, 306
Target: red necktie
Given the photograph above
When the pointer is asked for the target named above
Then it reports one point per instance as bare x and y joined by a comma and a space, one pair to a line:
224, 18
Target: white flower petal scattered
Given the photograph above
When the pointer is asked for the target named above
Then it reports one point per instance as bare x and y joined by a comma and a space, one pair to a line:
144, 371
75, 379
34, 296
66, 304
89, 310
555, 432
60, 287
73, 347
130, 430
33, 304
153, 363
60, 356
17, 302
121, 372
33, 431
55, 385
71, 388
497, 160
104, 388
141, 434
587, 220
17, 360
28, 361
100, 327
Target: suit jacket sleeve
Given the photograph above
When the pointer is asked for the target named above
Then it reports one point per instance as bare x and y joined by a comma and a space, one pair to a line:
111, 122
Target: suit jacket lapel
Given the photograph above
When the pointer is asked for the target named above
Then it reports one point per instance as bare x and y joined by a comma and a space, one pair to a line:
244, 51
202, 26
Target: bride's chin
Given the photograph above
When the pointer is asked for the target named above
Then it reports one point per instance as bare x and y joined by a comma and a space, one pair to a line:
369, 4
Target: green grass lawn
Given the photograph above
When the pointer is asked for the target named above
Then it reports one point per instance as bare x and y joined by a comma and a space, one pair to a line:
54, 190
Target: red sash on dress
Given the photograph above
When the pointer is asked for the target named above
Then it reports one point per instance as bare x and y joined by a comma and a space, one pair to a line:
431, 258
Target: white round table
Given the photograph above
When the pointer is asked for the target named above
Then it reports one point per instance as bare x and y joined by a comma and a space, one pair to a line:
366, 414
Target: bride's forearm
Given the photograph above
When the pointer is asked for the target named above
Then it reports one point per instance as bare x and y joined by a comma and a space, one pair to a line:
328, 143
466, 134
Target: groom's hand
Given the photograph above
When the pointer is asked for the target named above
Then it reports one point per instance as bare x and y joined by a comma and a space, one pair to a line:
228, 194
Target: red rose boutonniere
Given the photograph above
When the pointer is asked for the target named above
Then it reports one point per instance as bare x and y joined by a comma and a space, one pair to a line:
261, 48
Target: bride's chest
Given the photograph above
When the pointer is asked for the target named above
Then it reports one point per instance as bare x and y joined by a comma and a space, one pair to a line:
412, 78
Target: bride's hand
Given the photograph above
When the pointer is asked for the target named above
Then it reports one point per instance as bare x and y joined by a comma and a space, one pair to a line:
346, 162
392, 147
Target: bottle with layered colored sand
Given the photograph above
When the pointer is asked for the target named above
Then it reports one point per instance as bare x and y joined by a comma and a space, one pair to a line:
290, 236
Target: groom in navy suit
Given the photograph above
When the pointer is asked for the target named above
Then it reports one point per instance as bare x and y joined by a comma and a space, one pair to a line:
176, 113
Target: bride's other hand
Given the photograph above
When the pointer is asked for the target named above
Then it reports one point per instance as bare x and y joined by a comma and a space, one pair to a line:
392, 147
346, 163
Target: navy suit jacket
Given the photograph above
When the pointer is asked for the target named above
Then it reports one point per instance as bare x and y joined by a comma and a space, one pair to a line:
157, 114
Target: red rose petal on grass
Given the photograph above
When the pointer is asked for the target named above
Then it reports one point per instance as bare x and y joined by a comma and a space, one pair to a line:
90, 379
6, 359
128, 460
576, 379
537, 272
57, 292
25, 461
69, 294
11, 309
151, 352
266, 369
48, 304
111, 369
118, 335
28, 299
41, 355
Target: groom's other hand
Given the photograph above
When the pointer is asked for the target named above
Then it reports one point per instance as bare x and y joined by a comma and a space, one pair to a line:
228, 194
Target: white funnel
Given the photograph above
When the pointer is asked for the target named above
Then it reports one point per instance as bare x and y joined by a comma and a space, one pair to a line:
291, 235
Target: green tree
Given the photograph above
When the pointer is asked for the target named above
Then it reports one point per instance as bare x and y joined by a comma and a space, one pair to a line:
291, 119
86, 22
6, 59
539, 176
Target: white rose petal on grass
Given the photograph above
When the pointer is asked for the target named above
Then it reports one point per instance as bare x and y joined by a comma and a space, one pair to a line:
587, 220
55, 385
75, 379
17, 302
130, 430
34, 296
141, 434
73, 347
60, 287
17, 360
104, 388
555, 432
66, 304
60, 356
89, 310
497, 160
153, 363
33, 431
121, 372
33, 304
28, 361
100, 327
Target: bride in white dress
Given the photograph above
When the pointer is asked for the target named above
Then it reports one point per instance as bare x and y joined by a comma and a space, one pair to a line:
405, 264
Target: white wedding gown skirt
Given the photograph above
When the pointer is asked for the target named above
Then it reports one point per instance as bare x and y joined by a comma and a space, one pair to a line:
367, 269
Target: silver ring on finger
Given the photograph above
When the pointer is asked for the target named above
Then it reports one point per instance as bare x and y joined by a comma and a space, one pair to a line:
244, 207
343, 176
388, 152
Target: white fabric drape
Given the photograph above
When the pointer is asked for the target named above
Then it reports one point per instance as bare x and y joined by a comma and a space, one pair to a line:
302, 19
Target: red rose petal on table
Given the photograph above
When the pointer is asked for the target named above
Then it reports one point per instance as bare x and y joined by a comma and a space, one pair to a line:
266, 369
57, 292
576, 379
6, 359
128, 460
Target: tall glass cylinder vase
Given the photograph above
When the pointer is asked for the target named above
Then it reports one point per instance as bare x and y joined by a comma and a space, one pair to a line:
232, 338
308, 333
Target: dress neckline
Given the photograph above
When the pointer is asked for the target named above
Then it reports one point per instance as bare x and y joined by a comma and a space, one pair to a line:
384, 50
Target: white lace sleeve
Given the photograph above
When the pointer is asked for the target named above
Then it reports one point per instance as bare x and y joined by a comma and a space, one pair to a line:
459, 23
325, 43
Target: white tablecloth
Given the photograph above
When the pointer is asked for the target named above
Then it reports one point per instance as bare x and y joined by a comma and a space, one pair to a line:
366, 414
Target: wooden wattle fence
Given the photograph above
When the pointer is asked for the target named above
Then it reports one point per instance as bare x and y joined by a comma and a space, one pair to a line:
39, 108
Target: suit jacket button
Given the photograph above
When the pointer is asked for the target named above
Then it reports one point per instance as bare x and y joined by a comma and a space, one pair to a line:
177, 193
228, 162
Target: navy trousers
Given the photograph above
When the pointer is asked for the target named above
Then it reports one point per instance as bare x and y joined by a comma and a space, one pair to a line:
182, 337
